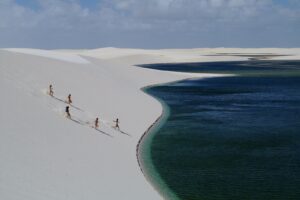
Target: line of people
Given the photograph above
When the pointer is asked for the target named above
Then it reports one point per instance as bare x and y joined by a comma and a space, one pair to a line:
68, 114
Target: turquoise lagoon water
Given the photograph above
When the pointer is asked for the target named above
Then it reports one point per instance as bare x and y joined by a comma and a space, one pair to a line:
231, 137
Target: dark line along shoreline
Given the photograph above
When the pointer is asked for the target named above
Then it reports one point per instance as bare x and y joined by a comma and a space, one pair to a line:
143, 137
141, 140
157, 122
164, 115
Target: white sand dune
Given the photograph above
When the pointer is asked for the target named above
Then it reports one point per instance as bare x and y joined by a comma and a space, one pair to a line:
43, 155
51, 54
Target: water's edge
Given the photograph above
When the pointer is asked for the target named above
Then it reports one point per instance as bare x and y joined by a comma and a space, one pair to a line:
145, 144
143, 150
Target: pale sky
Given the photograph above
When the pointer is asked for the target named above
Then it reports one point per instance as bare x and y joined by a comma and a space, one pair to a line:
52, 24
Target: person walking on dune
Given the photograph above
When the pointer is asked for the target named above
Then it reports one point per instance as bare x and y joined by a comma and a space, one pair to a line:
69, 100
51, 93
117, 124
96, 123
68, 112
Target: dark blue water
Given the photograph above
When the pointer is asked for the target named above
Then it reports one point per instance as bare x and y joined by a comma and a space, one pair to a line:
238, 67
231, 137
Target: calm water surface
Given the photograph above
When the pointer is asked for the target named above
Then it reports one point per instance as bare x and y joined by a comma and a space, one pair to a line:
232, 137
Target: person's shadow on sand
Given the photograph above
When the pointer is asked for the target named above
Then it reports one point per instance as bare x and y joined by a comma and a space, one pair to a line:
76, 121
58, 99
124, 133
85, 123
103, 132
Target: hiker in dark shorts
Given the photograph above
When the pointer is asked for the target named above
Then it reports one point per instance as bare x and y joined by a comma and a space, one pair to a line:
68, 112
117, 124
69, 100
96, 123
51, 90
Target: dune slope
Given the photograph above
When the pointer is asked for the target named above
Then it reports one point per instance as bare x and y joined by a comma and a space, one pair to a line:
44, 155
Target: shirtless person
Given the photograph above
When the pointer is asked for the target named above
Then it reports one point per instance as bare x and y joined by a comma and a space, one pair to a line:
51, 90
68, 112
117, 124
96, 123
69, 100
